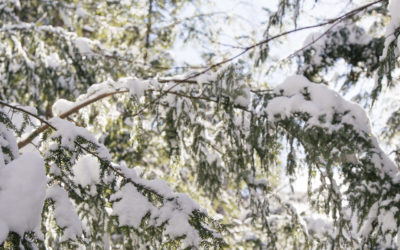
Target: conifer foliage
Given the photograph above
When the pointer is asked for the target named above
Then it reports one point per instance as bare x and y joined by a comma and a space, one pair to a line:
106, 142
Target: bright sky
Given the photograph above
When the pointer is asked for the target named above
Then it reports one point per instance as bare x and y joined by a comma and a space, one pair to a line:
251, 17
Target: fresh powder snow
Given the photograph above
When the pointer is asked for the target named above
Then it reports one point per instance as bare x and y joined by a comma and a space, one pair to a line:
22, 194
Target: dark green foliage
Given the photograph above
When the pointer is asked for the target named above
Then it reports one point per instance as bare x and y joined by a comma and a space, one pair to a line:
345, 41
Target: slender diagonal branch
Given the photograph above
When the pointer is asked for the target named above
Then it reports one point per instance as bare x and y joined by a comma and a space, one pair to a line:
75, 109
247, 49
46, 123
191, 78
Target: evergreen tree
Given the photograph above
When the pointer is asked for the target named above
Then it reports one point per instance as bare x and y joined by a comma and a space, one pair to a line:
106, 142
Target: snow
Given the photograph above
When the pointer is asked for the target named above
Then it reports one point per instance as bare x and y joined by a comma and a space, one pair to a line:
243, 99
207, 77
178, 219
61, 106
64, 213
319, 224
394, 10
388, 220
86, 170
68, 133
178, 225
175, 211
99, 89
297, 94
83, 45
81, 12
136, 87
129, 204
126, 172
322, 101
257, 182
22, 194
52, 60
54, 170
88, 28
367, 225
29, 109
212, 157
132, 206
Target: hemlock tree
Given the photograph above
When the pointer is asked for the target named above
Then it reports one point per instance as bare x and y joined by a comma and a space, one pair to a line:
106, 142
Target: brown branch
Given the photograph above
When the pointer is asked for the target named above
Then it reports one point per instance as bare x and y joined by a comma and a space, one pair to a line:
75, 109
90, 101
205, 99
190, 79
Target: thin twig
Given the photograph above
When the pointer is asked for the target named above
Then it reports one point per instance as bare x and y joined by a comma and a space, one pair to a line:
336, 22
247, 49
46, 123
191, 79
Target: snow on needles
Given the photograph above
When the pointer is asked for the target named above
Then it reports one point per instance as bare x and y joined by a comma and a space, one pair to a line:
68, 133
61, 106
22, 194
87, 171
344, 33
131, 206
83, 45
64, 213
298, 95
